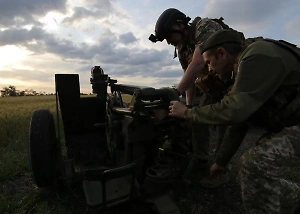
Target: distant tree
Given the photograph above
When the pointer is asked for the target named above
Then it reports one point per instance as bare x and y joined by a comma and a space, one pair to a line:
42, 93
5, 92
9, 91
21, 93
30, 92
26, 92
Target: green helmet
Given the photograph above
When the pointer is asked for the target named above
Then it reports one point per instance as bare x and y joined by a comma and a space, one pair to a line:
164, 23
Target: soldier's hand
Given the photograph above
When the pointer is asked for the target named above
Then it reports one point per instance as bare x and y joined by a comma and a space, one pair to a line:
177, 109
216, 170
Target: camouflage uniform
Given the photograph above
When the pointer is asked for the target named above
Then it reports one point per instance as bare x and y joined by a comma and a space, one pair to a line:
263, 173
266, 73
201, 29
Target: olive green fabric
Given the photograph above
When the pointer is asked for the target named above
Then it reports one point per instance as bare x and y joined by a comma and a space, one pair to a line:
263, 67
221, 37
231, 141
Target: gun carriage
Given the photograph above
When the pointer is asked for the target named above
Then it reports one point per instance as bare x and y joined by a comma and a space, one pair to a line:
114, 148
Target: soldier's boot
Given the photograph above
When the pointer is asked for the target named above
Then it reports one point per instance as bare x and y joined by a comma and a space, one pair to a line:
191, 168
196, 166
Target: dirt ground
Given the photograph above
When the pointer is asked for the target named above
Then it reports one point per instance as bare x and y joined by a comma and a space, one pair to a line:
226, 199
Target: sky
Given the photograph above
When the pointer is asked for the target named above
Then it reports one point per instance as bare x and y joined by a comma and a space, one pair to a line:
39, 39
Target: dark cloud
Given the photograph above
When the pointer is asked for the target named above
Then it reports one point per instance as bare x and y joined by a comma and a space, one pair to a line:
127, 38
39, 41
253, 15
22, 12
104, 4
123, 61
118, 62
94, 10
84, 13
16, 36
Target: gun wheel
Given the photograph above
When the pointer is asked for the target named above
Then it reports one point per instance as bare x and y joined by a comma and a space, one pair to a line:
159, 174
44, 149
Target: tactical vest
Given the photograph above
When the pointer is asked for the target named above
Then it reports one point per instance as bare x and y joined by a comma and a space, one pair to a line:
283, 108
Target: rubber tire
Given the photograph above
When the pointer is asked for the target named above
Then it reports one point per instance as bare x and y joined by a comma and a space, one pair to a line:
44, 149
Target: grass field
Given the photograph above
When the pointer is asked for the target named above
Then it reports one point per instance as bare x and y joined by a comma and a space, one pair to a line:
18, 193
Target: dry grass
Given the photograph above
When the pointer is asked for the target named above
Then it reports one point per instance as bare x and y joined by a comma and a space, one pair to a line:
18, 193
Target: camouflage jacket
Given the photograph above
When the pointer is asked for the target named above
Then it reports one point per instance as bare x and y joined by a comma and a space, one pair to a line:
201, 29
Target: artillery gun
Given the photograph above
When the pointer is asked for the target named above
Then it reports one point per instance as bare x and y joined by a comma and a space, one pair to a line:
114, 148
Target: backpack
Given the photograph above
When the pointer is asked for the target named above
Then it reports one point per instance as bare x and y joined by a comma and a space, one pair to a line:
281, 43
282, 109
225, 26
220, 21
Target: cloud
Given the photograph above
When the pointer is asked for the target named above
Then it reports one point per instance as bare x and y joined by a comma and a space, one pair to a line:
81, 13
94, 10
24, 12
16, 36
114, 34
106, 50
127, 38
293, 30
251, 16
118, 61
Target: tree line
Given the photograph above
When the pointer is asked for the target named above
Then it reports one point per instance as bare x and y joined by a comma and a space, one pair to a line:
11, 91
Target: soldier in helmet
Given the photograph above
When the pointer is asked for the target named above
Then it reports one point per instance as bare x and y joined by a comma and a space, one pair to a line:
174, 26
266, 94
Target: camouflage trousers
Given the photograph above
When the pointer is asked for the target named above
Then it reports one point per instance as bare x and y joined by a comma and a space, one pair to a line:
201, 139
265, 185
201, 133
